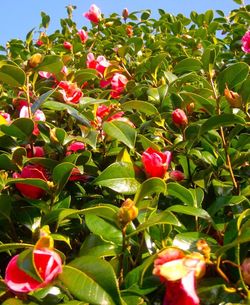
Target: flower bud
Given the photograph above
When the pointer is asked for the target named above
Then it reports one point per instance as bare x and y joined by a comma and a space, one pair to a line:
67, 45
127, 212
233, 98
125, 14
179, 118
35, 60
129, 30
176, 175
245, 269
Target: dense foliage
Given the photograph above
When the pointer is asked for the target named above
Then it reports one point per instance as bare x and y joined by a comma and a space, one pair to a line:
124, 161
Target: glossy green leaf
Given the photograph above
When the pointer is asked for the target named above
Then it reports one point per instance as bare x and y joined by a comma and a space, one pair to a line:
61, 174
14, 301
140, 106
164, 217
232, 76
121, 131
199, 101
84, 75
20, 128
152, 186
37, 104
84, 287
188, 210
120, 177
178, 191
12, 74
51, 63
30, 181
102, 272
14, 246
187, 65
218, 121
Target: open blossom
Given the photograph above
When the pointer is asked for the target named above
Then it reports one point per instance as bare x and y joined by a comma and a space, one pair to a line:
47, 263
155, 162
118, 84
178, 272
37, 116
93, 14
75, 147
83, 35
99, 64
246, 42
70, 92
31, 171
38, 152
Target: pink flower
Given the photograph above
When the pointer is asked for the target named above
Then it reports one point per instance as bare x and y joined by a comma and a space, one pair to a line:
179, 118
67, 45
45, 74
37, 116
31, 171
75, 147
99, 64
246, 42
71, 93
39, 42
118, 84
177, 175
83, 35
155, 162
47, 263
6, 116
178, 271
38, 152
94, 14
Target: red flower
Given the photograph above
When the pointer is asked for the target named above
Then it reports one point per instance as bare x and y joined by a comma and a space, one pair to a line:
246, 42
177, 175
179, 118
38, 152
156, 163
83, 35
47, 263
118, 84
94, 14
99, 64
31, 171
67, 45
71, 93
178, 271
75, 147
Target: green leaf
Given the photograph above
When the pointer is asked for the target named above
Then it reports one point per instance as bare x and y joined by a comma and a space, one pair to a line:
51, 63
14, 246
104, 229
120, 131
30, 181
37, 104
232, 76
140, 106
5, 206
188, 210
187, 65
101, 272
78, 283
152, 186
11, 74
165, 217
218, 121
14, 301
61, 174
26, 263
178, 191
20, 128
84, 75
199, 101
120, 177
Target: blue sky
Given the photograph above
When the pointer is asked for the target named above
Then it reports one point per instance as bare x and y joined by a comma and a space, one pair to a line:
18, 17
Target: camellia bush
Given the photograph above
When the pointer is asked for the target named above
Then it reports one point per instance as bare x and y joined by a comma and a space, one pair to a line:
124, 160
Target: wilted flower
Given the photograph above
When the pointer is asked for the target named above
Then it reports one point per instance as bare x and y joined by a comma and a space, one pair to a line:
31, 171
127, 212
178, 271
71, 93
94, 14
35, 60
47, 263
83, 35
245, 269
179, 117
233, 98
246, 42
129, 30
155, 162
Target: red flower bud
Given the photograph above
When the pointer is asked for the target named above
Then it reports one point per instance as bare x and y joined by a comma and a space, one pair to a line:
125, 14
179, 118
67, 45
156, 163
47, 263
31, 171
176, 175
